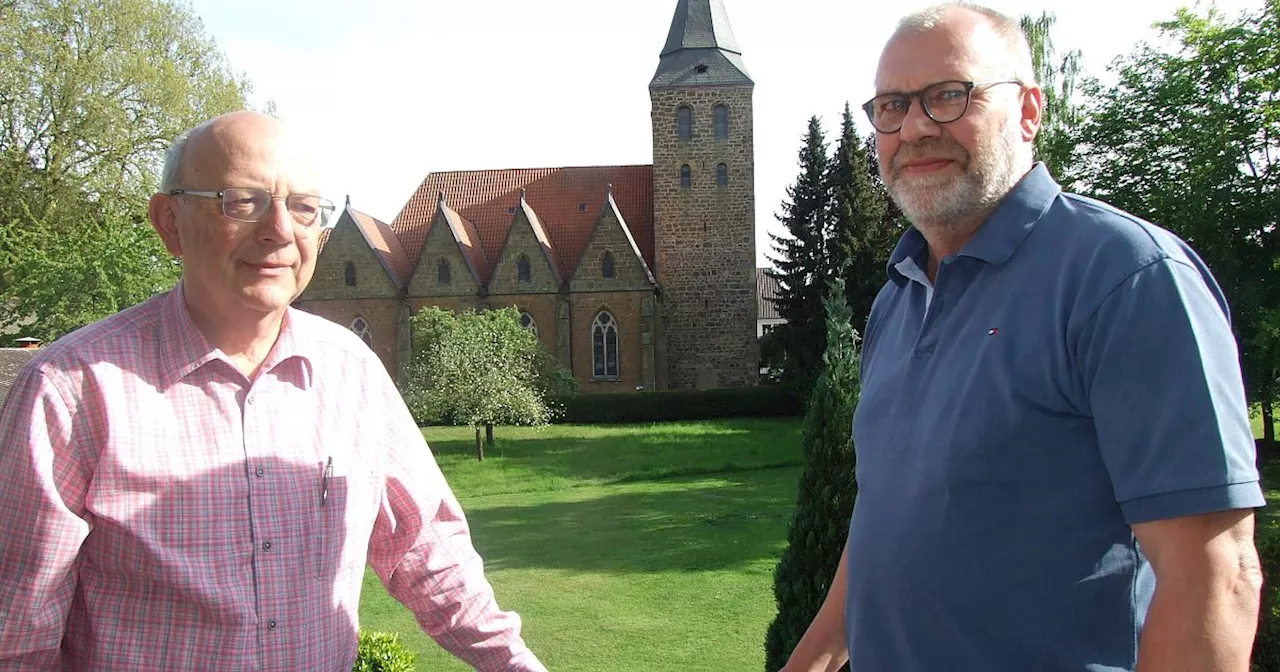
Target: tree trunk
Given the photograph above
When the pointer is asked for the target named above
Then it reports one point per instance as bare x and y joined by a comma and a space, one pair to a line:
479, 446
488, 435
1268, 425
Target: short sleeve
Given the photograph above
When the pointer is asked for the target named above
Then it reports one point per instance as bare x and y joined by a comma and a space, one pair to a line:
1161, 371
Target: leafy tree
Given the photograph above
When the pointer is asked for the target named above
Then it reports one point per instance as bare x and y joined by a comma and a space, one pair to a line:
1055, 142
861, 236
480, 369
802, 265
91, 94
820, 524
1189, 138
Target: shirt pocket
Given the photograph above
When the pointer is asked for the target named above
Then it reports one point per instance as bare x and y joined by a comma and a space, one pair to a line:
341, 538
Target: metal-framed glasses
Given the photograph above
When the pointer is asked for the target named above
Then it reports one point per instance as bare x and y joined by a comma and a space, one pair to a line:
943, 102
251, 205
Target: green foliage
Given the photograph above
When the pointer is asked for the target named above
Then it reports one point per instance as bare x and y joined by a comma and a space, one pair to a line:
1189, 138
382, 652
480, 368
1055, 143
1266, 645
762, 401
91, 93
802, 263
827, 490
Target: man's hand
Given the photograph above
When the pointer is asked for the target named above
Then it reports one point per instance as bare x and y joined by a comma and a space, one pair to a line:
1204, 613
824, 647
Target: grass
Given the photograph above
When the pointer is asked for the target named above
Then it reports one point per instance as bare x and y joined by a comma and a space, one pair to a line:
634, 547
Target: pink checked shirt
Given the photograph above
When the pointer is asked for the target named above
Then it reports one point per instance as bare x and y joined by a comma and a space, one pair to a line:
159, 511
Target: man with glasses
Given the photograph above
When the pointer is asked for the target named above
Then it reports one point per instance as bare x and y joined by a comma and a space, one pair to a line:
1055, 464
197, 482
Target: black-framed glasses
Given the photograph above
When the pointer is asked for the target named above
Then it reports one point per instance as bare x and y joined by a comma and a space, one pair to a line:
943, 102
251, 205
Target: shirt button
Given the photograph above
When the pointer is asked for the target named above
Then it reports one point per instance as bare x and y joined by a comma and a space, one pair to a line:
250, 400
259, 472
271, 624
266, 545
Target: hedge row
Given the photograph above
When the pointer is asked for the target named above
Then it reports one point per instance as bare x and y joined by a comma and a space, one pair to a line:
670, 405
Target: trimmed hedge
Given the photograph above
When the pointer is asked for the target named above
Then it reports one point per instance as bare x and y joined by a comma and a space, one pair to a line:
761, 401
382, 652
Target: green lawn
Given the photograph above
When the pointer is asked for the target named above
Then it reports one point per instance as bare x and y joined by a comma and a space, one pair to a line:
631, 547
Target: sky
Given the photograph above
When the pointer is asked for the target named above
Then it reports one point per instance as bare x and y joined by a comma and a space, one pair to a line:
392, 90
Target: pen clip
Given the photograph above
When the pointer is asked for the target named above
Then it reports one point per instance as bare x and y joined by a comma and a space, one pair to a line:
324, 482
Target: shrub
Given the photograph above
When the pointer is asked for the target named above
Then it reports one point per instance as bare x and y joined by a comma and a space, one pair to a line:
382, 652
680, 405
1266, 647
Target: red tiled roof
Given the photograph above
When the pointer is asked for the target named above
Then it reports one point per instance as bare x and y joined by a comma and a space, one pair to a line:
465, 235
386, 244
568, 201
766, 289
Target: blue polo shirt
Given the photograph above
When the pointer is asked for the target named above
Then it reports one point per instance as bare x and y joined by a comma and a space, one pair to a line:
1074, 373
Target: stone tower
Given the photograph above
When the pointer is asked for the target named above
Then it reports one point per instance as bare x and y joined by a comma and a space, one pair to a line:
704, 201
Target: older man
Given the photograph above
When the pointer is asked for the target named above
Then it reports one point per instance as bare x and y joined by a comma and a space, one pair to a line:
198, 481
1055, 465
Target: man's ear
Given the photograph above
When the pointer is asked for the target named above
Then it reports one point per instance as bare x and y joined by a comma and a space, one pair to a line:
1032, 109
163, 213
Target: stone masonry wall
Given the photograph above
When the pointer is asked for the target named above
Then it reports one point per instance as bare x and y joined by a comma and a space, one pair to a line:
628, 269
346, 244
440, 244
521, 240
380, 314
705, 239
627, 309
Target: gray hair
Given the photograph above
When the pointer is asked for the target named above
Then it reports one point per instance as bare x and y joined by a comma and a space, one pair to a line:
1008, 30
173, 160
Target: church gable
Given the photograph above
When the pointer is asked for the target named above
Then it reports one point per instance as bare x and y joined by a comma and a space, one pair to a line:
528, 264
611, 261
349, 266
447, 265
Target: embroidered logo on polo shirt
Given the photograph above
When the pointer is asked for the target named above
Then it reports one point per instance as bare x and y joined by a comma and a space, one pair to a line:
994, 331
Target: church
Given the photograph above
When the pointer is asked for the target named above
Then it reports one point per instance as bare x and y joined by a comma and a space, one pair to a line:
635, 277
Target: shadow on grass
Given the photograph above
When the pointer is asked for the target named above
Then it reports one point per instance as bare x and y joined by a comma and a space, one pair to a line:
678, 525
623, 454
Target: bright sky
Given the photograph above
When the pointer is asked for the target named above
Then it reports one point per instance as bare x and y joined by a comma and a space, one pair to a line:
394, 89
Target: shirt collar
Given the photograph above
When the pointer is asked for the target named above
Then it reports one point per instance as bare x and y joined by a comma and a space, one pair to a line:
1003, 231
183, 348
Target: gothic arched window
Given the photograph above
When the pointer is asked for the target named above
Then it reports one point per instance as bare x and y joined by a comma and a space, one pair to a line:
361, 329
686, 177
722, 122
444, 274
606, 265
684, 123
722, 175
604, 346
526, 321
350, 272
523, 272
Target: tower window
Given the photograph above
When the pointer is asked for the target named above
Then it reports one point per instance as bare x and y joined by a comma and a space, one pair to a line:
444, 274
684, 123
604, 346
606, 265
700, 68
722, 175
722, 122
582, 207
361, 329
523, 272
686, 177
350, 272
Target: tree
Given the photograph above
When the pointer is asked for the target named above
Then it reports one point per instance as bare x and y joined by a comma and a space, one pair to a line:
802, 267
820, 523
91, 94
480, 369
1189, 138
861, 237
1055, 142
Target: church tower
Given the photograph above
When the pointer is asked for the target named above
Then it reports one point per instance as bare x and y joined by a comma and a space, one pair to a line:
704, 201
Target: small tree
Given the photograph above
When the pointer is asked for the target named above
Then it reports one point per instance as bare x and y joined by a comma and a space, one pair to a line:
480, 369
820, 523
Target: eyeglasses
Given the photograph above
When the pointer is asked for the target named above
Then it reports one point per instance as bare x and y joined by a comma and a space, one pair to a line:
943, 102
251, 205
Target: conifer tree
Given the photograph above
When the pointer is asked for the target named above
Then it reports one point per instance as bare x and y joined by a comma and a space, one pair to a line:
820, 523
801, 264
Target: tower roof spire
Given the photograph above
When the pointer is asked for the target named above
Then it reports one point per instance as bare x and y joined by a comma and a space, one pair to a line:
700, 49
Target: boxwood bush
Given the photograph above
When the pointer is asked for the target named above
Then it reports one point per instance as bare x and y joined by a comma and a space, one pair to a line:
382, 652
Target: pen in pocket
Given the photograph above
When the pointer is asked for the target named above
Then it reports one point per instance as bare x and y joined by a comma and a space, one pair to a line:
324, 481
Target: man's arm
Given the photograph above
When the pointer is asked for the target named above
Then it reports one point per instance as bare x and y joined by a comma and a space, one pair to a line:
1204, 612
824, 648
40, 529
